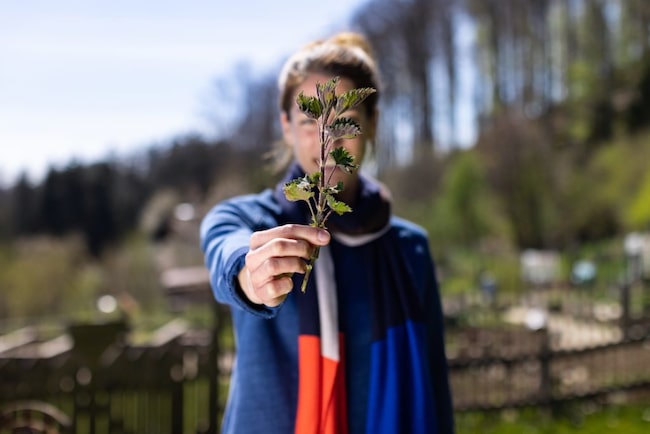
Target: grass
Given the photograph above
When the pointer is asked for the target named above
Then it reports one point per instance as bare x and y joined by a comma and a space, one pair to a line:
583, 418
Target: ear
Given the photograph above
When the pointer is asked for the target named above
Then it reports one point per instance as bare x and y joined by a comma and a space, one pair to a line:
286, 129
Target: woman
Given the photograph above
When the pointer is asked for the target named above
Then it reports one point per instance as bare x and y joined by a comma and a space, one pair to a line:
362, 350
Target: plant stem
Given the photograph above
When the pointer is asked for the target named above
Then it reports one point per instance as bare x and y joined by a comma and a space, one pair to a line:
310, 266
318, 220
323, 162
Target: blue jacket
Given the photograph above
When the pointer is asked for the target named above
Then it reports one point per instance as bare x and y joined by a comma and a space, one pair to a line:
263, 386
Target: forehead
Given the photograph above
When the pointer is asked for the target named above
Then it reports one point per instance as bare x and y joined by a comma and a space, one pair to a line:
308, 85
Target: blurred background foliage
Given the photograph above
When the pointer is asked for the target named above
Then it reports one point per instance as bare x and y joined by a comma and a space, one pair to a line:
506, 125
547, 147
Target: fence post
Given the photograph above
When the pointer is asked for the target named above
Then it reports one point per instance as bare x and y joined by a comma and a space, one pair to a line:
213, 367
645, 288
546, 389
625, 308
177, 407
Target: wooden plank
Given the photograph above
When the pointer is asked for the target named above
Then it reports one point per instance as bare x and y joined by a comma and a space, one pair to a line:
17, 338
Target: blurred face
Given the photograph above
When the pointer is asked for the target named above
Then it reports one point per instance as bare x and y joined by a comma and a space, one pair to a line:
301, 134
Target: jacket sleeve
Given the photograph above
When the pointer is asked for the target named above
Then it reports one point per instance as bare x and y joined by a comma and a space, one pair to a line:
225, 233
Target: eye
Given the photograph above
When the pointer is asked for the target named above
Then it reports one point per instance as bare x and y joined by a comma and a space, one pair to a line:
308, 125
307, 122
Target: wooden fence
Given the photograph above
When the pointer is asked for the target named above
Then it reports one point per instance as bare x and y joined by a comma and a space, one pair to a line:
94, 379
559, 344
542, 376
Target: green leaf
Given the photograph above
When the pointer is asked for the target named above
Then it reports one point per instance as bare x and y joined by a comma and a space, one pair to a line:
334, 189
309, 105
326, 93
352, 98
299, 189
315, 178
337, 206
343, 128
343, 159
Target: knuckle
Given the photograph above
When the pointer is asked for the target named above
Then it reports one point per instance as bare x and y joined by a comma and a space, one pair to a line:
292, 230
283, 246
248, 259
254, 239
275, 247
273, 267
258, 238
280, 286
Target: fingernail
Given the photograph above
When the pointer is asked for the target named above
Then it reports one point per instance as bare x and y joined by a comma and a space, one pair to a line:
323, 236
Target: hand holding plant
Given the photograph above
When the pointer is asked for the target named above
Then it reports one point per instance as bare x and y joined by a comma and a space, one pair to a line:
327, 109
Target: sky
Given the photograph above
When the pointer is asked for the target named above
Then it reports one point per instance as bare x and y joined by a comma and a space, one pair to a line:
85, 79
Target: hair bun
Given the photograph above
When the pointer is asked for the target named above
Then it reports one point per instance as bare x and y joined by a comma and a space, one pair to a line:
353, 39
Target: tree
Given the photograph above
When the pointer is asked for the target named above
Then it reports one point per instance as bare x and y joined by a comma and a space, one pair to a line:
466, 208
23, 205
518, 161
638, 214
98, 224
57, 205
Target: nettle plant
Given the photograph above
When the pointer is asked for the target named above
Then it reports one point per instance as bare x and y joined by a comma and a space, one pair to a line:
328, 110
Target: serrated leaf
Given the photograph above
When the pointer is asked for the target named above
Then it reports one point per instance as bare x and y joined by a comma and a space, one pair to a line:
352, 98
315, 178
327, 93
343, 159
327, 108
309, 105
299, 189
337, 206
343, 128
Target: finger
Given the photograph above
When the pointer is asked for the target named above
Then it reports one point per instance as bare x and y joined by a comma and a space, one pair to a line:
275, 291
274, 268
315, 236
278, 248
271, 294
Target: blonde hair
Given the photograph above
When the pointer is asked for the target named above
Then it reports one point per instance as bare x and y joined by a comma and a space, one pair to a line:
346, 54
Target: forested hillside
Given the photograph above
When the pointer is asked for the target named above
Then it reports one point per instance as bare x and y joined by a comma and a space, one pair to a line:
516, 123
